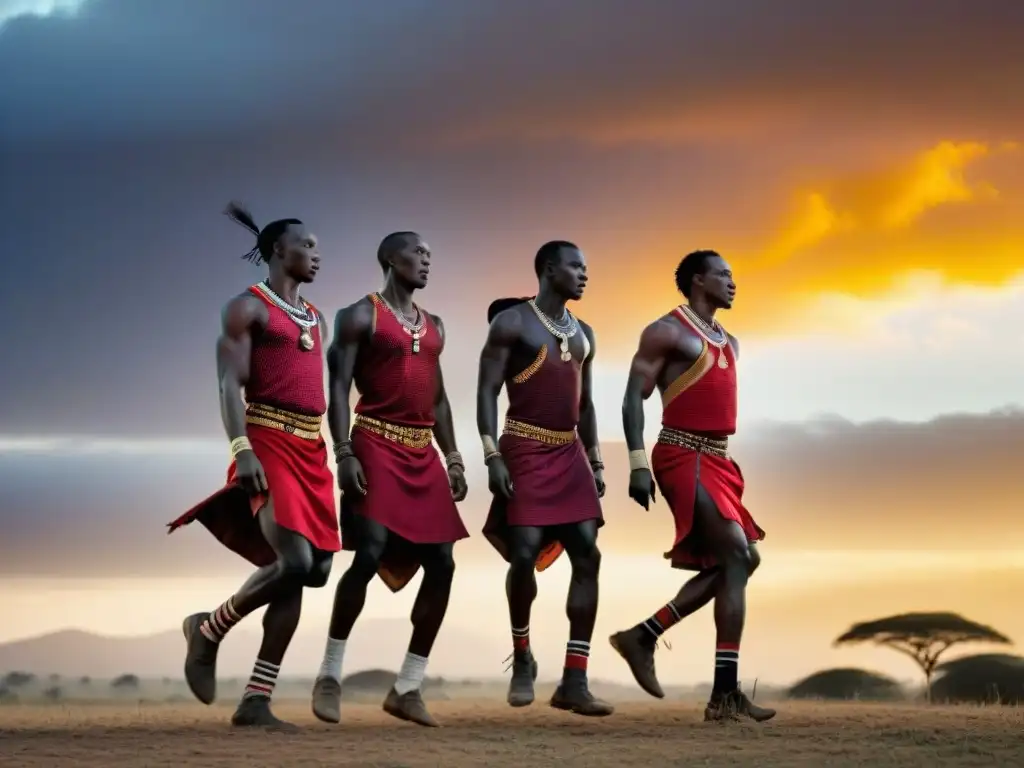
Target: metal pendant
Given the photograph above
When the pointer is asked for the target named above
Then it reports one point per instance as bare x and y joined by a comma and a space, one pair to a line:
306, 340
564, 346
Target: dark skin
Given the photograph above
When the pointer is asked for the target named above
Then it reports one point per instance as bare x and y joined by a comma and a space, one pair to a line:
667, 349
408, 271
514, 339
295, 261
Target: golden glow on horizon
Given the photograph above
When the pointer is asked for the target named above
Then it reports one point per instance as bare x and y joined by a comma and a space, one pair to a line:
861, 235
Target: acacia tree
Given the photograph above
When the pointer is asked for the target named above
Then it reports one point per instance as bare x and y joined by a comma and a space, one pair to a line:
924, 637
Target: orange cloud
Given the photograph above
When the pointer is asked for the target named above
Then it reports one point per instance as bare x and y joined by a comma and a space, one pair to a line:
885, 200
858, 235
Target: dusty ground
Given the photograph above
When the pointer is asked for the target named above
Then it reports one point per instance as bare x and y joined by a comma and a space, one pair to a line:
490, 734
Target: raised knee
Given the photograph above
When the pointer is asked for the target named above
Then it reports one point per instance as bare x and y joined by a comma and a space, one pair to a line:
366, 562
319, 574
753, 561
295, 566
738, 561
441, 566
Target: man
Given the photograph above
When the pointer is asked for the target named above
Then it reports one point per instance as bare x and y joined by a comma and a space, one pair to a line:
277, 510
691, 359
546, 479
398, 503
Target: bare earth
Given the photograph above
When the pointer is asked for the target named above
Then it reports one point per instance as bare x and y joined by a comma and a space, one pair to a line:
487, 733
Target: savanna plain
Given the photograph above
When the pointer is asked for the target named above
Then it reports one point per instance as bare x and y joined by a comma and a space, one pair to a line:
479, 732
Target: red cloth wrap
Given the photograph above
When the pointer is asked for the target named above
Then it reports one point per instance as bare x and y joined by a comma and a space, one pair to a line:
302, 489
551, 485
678, 471
407, 491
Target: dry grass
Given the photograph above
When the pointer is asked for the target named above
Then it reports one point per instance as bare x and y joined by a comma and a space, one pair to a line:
487, 733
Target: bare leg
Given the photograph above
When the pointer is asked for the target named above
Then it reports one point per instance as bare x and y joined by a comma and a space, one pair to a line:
524, 546
405, 700
573, 694
279, 623
296, 563
638, 644
694, 595
726, 539
349, 599
350, 594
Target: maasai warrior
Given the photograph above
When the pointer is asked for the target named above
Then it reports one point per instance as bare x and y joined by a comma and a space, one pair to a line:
398, 508
546, 479
277, 509
691, 359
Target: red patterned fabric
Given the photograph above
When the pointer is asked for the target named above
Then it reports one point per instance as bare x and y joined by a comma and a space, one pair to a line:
707, 405
407, 489
553, 484
301, 486
394, 384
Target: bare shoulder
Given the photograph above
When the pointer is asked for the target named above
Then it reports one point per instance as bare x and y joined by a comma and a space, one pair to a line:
665, 331
353, 322
242, 312
358, 314
588, 331
438, 323
506, 326
734, 343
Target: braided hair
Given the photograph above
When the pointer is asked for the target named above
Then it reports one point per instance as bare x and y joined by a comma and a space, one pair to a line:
266, 238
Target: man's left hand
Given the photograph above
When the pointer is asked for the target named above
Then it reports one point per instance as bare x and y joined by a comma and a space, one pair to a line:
457, 482
599, 482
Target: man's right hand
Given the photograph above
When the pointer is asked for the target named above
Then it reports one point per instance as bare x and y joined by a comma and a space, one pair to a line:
642, 487
351, 479
249, 473
499, 481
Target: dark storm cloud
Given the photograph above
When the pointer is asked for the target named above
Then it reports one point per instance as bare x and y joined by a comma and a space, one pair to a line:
413, 69
952, 483
127, 126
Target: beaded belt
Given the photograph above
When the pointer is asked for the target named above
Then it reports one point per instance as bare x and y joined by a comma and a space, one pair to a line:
541, 435
715, 446
298, 424
410, 437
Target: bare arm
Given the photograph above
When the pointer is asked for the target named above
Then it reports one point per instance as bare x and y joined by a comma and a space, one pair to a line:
501, 336
655, 343
234, 356
324, 335
444, 426
588, 414
351, 327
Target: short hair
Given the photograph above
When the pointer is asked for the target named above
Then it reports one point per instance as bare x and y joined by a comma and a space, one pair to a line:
500, 305
266, 238
549, 253
693, 264
393, 242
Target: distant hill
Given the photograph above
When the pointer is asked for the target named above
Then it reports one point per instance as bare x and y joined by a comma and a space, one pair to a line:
375, 643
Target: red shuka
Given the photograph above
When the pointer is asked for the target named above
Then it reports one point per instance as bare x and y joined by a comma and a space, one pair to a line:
407, 489
552, 484
284, 376
702, 400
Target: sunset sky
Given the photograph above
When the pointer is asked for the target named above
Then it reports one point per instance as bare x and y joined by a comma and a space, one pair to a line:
862, 170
